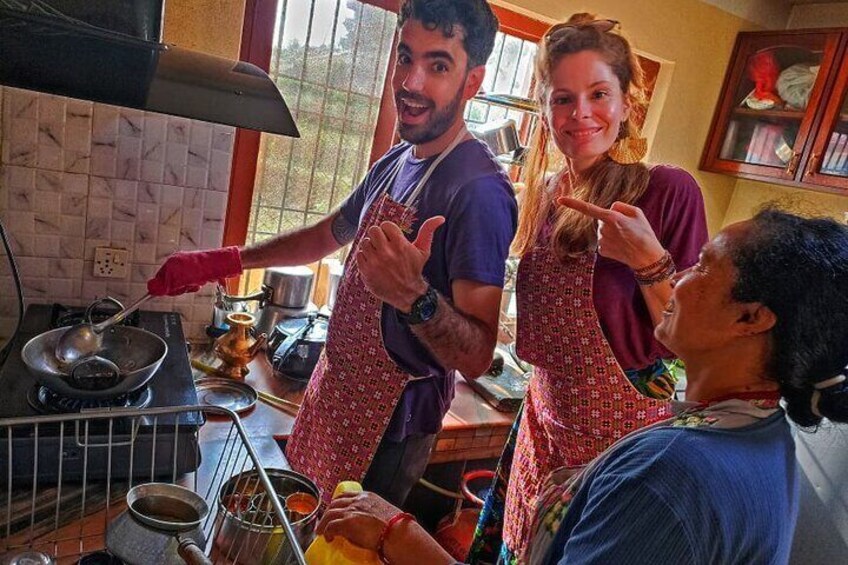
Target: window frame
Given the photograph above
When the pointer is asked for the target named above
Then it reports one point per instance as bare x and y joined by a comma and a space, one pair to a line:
256, 48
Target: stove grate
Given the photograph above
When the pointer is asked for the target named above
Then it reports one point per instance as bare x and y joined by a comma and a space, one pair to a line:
61, 316
48, 402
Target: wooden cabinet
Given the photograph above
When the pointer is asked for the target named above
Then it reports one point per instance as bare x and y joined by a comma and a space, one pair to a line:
783, 113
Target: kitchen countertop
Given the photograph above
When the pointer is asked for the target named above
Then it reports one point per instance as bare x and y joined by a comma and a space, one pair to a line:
472, 428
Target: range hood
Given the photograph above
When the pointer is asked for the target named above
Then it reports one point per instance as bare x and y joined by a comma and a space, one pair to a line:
110, 51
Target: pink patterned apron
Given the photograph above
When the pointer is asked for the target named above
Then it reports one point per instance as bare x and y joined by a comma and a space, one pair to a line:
355, 386
579, 400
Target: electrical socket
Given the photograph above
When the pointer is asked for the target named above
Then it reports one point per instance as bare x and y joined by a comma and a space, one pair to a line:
111, 262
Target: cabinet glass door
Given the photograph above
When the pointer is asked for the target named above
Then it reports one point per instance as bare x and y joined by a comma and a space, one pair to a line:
828, 161
770, 104
835, 159
771, 97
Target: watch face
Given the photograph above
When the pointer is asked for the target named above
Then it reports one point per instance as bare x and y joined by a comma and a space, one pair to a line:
427, 310
424, 308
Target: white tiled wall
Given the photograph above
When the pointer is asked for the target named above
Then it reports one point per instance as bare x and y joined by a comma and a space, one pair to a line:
76, 175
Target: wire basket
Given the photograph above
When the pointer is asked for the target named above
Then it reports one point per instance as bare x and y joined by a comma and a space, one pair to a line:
64, 480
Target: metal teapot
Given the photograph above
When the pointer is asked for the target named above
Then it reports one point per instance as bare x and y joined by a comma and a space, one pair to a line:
238, 347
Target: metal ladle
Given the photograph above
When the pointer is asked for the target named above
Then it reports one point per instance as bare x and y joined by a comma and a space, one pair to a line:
86, 339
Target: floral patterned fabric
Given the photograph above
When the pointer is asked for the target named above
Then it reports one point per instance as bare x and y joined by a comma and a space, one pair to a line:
579, 400
355, 386
655, 381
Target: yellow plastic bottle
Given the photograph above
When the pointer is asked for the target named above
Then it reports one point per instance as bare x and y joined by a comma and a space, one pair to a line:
340, 551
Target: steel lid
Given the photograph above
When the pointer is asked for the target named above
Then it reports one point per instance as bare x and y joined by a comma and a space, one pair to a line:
226, 393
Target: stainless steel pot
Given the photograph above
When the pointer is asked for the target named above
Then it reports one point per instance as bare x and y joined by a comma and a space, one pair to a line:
249, 532
130, 357
501, 136
288, 287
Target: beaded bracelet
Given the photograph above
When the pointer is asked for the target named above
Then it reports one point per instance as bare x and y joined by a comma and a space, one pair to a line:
658, 272
399, 517
658, 276
656, 264
666, 275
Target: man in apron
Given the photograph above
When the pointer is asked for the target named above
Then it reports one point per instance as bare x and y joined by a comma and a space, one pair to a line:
430, 228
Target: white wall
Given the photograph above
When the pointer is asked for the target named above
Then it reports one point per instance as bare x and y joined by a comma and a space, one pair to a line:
821, 535
76, 175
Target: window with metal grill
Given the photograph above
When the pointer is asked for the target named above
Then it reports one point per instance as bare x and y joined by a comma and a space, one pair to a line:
509, 70
329, 59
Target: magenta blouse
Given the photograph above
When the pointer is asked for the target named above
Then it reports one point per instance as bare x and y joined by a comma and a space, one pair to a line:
675, 209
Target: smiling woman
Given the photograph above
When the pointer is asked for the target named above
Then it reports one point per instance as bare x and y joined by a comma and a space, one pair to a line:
587, 107
593, 276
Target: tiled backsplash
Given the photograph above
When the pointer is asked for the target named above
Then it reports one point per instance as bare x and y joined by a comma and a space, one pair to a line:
79, 175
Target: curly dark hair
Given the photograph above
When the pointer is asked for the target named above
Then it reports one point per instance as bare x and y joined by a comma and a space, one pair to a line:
798, 268
475, 18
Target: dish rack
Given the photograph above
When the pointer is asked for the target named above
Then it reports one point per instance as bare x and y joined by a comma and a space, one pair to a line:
67, 516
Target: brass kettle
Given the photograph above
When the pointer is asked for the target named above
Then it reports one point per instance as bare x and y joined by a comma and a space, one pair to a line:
237, 347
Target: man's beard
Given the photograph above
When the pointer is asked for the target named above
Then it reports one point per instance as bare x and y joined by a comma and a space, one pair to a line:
440, 121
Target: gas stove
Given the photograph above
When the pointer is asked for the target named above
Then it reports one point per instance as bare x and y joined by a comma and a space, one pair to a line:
171, 385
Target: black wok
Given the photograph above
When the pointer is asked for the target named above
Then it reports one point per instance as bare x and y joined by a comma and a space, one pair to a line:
129, 358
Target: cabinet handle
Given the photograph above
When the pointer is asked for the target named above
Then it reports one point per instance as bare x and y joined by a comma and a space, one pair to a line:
812, 166
792, 167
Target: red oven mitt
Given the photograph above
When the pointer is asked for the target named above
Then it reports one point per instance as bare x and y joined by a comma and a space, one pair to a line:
187, 271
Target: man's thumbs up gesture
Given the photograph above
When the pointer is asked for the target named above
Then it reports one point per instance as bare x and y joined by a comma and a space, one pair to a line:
391, 266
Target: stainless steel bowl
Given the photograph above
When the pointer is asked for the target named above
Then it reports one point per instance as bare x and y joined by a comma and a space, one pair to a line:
29, 558
250, 532
134, 353
166, 506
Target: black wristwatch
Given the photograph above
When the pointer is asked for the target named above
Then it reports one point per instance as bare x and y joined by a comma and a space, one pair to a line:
423, 308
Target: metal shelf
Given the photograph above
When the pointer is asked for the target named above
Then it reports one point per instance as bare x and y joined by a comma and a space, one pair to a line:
509, 101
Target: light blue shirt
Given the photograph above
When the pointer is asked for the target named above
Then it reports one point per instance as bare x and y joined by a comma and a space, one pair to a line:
688, 495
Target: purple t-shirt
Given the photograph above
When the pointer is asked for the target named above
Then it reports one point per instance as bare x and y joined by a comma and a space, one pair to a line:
470, 189
674, 207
